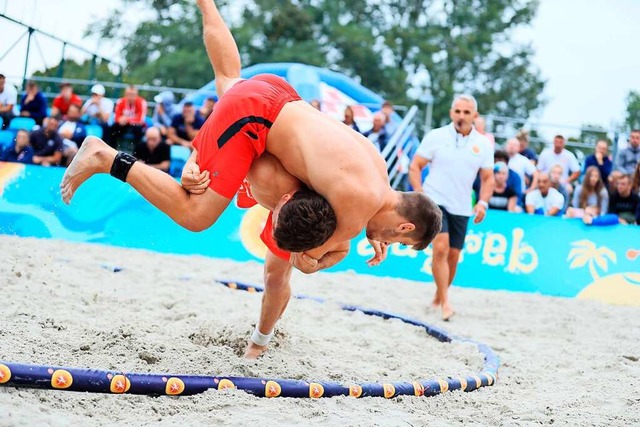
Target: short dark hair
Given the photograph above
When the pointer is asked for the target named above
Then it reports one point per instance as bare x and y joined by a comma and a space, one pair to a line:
188, 104
2, 77
558, 137
635, 131
305, 222
500, 155
65, 84
420, 210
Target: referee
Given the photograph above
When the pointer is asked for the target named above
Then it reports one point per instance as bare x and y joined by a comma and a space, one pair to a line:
455, 153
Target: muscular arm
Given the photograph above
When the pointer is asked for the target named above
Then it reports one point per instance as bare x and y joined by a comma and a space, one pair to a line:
337, 254
221, 47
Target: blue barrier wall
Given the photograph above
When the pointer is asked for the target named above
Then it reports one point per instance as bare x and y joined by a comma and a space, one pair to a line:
552, 256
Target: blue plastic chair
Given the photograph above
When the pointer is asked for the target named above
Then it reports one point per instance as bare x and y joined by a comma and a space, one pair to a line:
6, 138
179, 156
94, 130
25, 123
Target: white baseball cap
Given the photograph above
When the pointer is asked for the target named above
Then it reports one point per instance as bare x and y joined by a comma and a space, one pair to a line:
98, 89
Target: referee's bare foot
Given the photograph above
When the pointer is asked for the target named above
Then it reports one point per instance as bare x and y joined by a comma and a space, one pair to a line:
253, 351
95, 156
447, 312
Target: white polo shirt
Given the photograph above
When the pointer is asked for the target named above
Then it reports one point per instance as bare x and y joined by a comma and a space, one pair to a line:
521, 165
553, 200
548, 159
454, 163
9, 96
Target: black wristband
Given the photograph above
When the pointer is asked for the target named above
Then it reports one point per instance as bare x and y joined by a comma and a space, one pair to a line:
121, 166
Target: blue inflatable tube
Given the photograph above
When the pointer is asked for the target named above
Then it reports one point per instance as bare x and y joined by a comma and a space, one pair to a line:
114, 382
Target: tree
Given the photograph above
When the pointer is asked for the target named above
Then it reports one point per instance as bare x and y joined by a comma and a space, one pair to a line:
80, 71
633, 110
397, 48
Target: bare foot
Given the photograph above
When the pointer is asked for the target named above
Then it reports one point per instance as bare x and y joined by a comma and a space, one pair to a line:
95, 156
253, 351
447, 312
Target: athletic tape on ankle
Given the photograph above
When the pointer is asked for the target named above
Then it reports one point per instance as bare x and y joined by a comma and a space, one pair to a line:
261, 339
122, 165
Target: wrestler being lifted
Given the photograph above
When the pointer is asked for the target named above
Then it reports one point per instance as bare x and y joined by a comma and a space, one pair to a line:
265, 114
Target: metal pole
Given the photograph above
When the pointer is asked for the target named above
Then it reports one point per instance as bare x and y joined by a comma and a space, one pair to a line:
92, 70
26, 59
429, 117
61, 66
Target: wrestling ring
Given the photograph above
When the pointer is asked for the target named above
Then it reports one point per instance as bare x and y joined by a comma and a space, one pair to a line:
114, 382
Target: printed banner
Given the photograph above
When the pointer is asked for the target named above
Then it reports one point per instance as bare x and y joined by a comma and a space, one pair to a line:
514, 252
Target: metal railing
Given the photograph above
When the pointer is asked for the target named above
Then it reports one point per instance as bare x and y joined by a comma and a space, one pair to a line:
401, 144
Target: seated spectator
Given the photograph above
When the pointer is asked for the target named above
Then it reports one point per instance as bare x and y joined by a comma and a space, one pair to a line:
504, 198
558, 155
600, 159
591, 197
154, 152
164, 111
623, 202
523, 139
184, 127
514, 182
20, 151
377, 134
316, 104
33, 103
635, 180
98, 109
73, 133
47, 144
131, 111
545, 200
207, 108
348, 119
556, 178
8, 99
522, 166
62, 102
481, 126
629, 157
390, 125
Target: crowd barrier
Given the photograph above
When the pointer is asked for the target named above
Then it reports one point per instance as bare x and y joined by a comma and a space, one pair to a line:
513, 252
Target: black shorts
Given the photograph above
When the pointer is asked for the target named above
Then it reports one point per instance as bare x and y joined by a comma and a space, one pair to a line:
456, 226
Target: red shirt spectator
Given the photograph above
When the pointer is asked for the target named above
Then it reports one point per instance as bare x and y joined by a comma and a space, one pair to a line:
131, 109
62, 102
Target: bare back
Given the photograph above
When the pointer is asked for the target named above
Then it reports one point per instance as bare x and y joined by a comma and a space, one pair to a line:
335, 161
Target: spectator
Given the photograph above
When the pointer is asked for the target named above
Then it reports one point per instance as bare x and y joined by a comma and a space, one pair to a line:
503, 198
377, 134
390, 125
600, 159
73, 129
629, 157
349, 120
207, 107
481, 126
8, 99
558, 155
131, 111
47, 144
20, 151
635, 180
62, 102
154, 152
164, 111
623, 202
523, 139
545, 200
556, 182
33, 103
98, 109
455, 153
522, 166
316, 104
513, 180
184, 127
591, 197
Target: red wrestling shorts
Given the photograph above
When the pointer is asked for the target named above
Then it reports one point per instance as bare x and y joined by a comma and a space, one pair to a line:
235, 134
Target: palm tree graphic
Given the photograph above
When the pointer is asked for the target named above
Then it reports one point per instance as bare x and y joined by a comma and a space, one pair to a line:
586, 252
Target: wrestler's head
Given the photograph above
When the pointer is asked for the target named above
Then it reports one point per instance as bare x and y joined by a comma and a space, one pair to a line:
303, 220
415, 222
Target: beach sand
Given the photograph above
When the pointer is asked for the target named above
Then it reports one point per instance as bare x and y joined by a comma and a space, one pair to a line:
564, 361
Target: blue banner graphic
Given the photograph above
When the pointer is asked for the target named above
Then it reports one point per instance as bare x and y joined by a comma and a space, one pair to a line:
514, 252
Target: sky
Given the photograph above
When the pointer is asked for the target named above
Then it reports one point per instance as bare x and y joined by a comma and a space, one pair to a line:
586, 50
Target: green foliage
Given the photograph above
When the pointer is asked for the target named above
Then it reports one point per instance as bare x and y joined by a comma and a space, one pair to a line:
397, 48
633, 110
81, 71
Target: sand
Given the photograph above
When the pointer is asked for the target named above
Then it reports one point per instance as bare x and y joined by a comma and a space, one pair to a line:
564, 361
